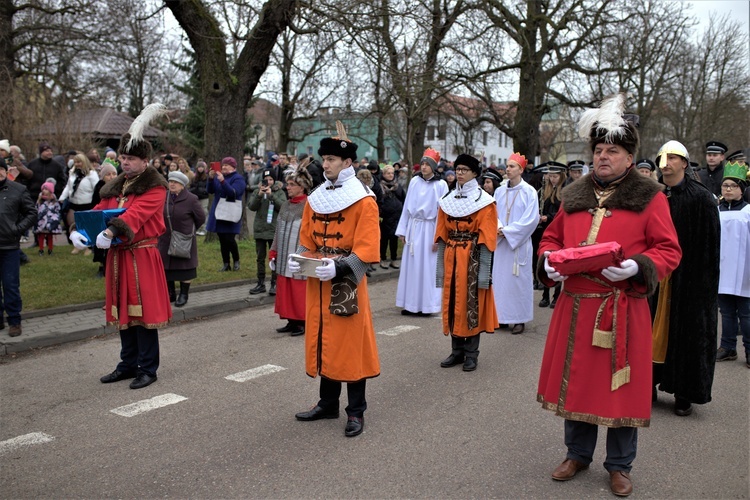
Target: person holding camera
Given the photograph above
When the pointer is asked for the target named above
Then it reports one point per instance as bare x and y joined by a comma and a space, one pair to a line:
266, 201
228, 185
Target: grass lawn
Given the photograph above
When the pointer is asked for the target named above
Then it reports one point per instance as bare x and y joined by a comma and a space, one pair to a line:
64, 279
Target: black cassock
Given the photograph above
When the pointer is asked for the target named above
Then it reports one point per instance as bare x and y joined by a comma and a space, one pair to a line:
688, 369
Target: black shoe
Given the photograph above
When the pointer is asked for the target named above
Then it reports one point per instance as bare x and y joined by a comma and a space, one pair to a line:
316, 413
682, 407
544, 303
452, 360
300, 330
49, 252
259, 288
272, 289
553, 303
287, 328
470, 364
503, 325
100, 272
404, 312
116, 376
225, 267
354, 426
41, 253
518, 329
726, 354
142, 380
181, 300
236, 265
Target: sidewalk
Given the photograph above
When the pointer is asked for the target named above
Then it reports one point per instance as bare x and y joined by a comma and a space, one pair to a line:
81, 321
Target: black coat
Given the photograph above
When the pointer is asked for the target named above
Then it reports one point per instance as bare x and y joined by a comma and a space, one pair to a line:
712, 179
391, 205
43, 170
187, 215
17, 214
688, 370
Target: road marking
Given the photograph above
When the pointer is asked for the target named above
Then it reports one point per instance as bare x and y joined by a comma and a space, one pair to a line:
25, 440
139, 407
254, 373
396, 330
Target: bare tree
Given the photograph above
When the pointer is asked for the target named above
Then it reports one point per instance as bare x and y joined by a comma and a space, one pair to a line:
228, 85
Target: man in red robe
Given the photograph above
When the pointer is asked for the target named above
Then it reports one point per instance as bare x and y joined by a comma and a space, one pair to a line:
137, 300
596, 368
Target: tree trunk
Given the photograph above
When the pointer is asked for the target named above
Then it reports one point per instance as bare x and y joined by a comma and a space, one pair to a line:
531, 89
7, 67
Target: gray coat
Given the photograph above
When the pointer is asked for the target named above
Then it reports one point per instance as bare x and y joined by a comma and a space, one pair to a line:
186, 215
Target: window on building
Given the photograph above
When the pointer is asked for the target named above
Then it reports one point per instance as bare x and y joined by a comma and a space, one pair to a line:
430, 132
484, 137
309, 150
387, 153
441, 132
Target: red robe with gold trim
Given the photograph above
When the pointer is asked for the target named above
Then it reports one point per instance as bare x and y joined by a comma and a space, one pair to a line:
577, 379
136, 286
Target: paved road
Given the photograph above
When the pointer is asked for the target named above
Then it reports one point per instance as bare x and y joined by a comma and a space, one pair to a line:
430, 432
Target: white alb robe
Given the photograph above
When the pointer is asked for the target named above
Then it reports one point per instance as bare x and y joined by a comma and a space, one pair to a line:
512, 273
734, 265
416, 281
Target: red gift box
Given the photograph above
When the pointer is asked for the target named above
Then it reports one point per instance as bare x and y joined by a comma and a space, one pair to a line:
586, 259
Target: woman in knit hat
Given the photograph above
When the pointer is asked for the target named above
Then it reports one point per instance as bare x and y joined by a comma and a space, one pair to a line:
183, 213
227, 185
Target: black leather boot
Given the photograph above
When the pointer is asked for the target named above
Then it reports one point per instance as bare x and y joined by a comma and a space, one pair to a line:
172, 292
184, 292
225, 267
272, 290
259, 288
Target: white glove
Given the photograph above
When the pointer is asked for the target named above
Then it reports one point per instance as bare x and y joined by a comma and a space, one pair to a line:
327, 271
291, 264
102, 241
551, 273
78, 240
272, 264
628, 268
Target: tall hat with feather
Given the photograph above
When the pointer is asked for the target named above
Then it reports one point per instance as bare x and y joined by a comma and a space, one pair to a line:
608, 123
133, 143
339, 145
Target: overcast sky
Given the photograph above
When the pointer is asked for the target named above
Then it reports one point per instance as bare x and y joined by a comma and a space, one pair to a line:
738, 9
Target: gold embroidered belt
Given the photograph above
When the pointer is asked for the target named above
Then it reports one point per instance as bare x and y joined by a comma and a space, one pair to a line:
611, 325
133, 309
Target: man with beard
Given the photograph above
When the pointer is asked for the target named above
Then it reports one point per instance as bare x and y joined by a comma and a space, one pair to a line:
685, 322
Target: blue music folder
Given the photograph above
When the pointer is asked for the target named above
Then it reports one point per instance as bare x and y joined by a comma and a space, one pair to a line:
92, 222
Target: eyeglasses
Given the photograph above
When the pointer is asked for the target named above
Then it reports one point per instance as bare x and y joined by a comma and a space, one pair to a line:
460, 170
729, 187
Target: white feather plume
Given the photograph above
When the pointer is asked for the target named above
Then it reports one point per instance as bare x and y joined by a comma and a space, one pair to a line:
606, 118
138, 127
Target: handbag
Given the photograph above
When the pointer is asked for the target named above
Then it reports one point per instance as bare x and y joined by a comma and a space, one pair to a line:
180, 244
230, 211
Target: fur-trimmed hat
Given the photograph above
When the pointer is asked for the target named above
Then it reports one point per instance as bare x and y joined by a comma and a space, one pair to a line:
302, 177
608, 123
338, 145
469, 161
133, 143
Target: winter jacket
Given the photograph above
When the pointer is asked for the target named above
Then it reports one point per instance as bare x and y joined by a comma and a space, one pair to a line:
84, 194
17, 214
263, 230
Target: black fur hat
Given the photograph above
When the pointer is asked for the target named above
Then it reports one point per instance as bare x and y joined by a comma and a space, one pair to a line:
339, 145
609, 123
469, 161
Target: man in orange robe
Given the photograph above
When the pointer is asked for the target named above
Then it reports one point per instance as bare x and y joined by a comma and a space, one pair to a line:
596, 368
340, 222
466, 235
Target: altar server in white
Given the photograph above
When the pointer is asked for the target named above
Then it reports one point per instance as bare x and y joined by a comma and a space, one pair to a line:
416, 292
512, 269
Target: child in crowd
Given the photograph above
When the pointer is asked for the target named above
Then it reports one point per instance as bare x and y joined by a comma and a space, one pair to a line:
48, 219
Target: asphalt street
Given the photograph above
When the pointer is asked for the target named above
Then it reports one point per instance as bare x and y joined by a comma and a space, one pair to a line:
430, 432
